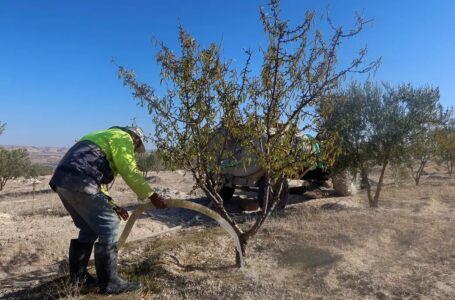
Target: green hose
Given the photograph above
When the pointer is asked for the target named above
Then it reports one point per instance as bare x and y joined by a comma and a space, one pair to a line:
181, 204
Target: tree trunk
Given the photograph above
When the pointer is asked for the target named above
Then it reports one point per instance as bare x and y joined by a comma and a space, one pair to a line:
419, 172
375, 202
3, 182
366, 182
269, 199
242, 236
243, 239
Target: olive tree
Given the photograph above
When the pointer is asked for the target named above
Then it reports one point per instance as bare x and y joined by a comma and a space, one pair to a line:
421, 149
375, 125
149, 161
422, 146
14, 163
445, 147
208, 103
36, 170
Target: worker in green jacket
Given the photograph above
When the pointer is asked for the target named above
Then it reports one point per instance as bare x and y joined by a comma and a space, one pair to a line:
80, 180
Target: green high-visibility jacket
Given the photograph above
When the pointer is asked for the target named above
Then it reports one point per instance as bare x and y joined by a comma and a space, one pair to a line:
118, 147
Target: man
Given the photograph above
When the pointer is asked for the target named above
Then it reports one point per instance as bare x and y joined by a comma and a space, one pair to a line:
80, 180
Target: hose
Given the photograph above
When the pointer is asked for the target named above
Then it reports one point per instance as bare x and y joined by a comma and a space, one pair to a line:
181, 204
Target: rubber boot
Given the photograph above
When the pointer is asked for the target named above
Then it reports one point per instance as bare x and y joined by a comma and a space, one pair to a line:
79, 255
106, 270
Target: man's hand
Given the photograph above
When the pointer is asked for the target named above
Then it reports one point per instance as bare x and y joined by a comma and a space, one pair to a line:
121, 213
157, 201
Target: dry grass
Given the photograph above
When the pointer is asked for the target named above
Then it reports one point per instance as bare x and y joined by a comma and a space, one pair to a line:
333, 248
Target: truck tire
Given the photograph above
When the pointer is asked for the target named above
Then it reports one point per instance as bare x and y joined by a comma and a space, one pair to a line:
284, 196
226, 193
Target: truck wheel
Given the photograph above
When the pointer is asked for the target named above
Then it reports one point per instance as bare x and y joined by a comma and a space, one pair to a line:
284, 196
283, 199
226, 193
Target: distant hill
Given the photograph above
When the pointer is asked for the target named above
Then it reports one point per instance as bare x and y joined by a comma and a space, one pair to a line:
49, 156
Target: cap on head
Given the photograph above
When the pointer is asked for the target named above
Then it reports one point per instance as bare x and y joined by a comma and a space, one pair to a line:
137, 134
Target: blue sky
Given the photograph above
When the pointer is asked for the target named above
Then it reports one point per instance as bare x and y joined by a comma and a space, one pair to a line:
57, 81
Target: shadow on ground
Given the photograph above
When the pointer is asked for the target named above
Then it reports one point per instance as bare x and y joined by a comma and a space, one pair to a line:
243, 207
53, 288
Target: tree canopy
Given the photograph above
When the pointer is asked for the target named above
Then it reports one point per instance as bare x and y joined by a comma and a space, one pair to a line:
445, 146
13, 164
208, 103
375, 125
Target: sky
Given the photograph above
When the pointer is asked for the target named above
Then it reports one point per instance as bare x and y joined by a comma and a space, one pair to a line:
58, 82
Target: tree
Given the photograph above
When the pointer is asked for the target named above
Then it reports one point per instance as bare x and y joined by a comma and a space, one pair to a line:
420, 149
422, 146
445, 146
208, 104
374, 125
13, 164
149, 161
36, 170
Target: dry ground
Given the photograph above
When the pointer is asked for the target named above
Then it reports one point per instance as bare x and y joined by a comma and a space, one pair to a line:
330, 248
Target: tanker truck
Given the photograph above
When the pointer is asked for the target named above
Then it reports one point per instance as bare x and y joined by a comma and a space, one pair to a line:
243, 172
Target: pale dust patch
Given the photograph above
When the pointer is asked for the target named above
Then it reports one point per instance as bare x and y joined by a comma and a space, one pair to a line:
5, 218
446, 288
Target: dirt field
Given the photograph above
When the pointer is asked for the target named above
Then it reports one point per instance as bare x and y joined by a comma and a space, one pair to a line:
327, 248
